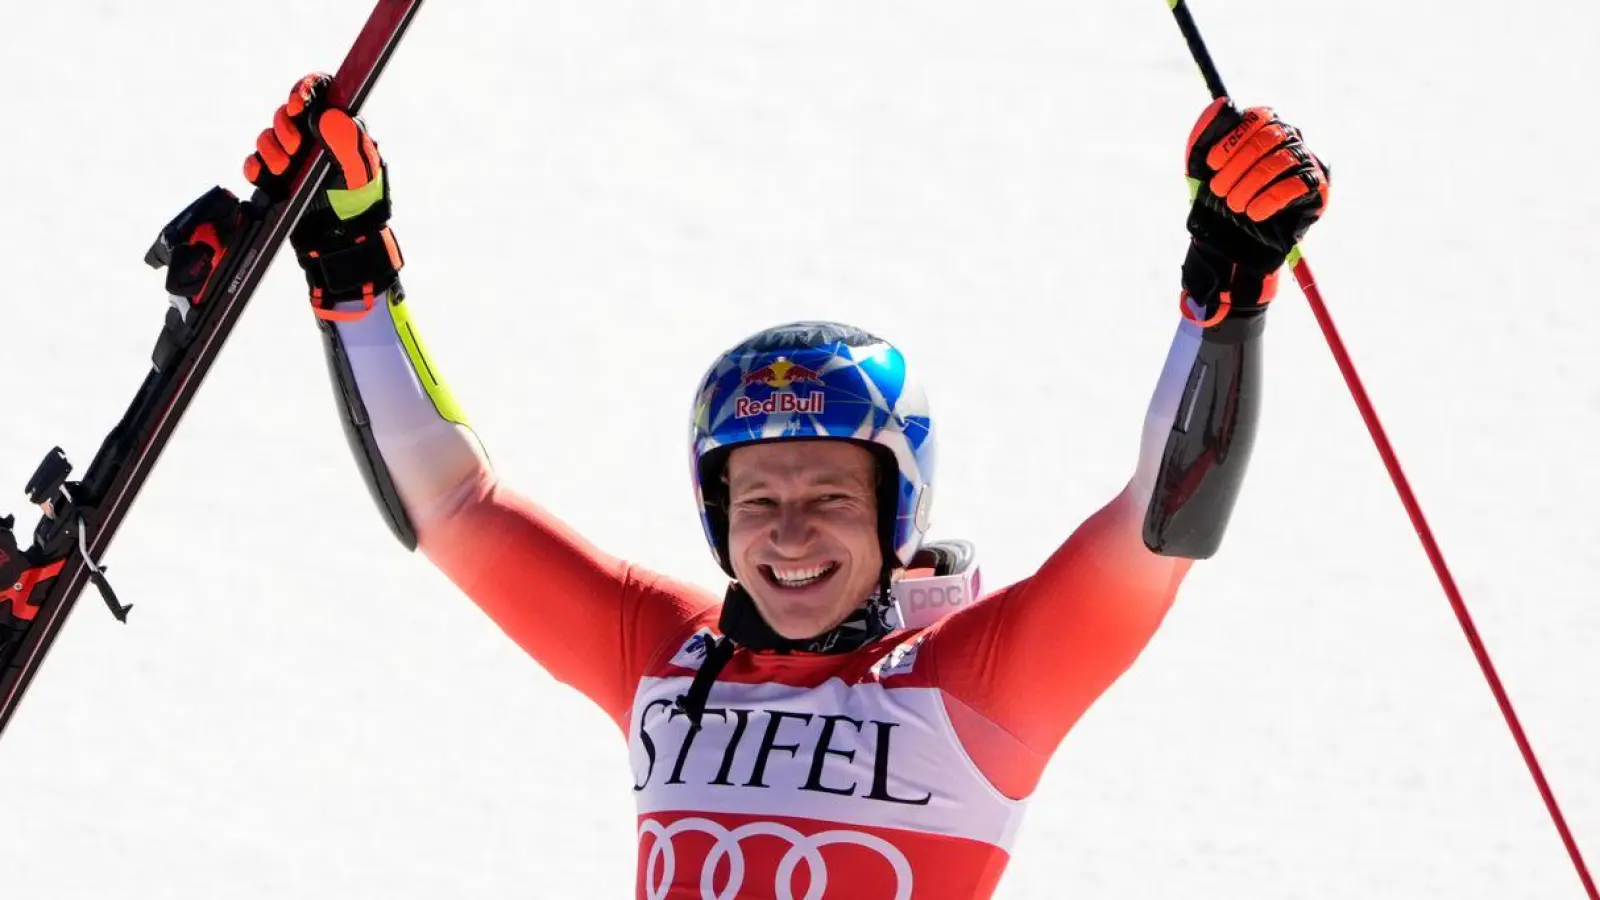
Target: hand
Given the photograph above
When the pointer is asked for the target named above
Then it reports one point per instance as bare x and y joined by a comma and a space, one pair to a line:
343, 241
1258, 190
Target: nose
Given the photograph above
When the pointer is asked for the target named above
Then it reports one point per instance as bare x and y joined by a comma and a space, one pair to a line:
791, 529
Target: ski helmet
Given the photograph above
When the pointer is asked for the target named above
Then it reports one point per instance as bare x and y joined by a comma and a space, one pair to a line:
810, 381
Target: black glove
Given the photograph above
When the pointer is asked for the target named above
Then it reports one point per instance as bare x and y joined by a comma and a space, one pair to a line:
343, 241
1258, 190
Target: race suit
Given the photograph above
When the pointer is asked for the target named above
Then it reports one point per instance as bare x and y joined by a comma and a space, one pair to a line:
897, 770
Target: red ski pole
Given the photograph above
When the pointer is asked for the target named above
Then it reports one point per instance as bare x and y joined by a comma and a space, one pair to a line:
1341, 356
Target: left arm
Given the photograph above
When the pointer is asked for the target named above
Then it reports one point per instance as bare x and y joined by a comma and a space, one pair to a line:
1021, 667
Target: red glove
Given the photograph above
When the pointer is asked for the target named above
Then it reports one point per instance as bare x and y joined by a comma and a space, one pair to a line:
1258, 190
343, 241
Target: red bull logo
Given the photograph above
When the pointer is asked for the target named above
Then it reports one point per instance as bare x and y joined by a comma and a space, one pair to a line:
783, 374
780, 376
745, 407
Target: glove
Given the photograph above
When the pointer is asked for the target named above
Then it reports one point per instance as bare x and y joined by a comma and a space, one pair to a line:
1258, 190
342, 242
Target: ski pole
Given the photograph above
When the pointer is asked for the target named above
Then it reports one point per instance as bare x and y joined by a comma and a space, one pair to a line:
1308, 286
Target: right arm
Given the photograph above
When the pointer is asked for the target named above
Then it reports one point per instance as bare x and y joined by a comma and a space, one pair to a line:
590, 619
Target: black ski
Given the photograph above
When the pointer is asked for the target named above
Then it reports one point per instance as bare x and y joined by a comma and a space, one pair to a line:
40, 585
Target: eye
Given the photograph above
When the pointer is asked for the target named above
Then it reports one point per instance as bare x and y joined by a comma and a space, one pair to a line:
835, 499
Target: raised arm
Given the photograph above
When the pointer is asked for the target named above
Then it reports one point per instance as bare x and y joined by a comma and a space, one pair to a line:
587, 617
1022, 666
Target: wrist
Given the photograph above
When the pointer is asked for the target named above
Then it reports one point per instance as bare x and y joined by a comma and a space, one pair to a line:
345, 247
1216, 287
357, 267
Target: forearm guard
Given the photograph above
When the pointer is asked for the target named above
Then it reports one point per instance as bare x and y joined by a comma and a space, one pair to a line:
358, 432
1209, 442
409, 438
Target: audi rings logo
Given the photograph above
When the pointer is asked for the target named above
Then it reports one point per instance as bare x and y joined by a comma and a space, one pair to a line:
662, 863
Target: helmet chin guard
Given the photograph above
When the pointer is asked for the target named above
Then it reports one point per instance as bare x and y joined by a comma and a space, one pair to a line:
922, 600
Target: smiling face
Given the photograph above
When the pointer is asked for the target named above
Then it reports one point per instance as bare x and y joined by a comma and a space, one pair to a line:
803, 531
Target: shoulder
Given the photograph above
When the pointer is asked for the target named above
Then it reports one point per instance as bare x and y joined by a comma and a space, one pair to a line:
672, 621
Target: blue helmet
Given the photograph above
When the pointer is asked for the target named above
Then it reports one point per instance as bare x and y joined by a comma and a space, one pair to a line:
809, 381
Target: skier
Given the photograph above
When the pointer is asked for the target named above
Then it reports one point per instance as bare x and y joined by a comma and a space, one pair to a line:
815, 732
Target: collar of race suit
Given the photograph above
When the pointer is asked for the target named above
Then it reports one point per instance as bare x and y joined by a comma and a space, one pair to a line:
742, 626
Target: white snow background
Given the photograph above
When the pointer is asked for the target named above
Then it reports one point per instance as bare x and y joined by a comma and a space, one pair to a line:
596, 197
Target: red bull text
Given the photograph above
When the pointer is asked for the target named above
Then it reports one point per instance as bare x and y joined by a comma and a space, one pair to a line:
784, 402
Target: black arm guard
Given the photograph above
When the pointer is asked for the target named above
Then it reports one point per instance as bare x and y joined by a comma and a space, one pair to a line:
358, 431
1210, 442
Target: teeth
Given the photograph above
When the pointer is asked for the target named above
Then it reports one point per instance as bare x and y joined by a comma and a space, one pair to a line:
800, 577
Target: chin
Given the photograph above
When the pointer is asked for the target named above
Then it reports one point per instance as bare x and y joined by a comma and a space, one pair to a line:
798, 620
800, 629
800, 626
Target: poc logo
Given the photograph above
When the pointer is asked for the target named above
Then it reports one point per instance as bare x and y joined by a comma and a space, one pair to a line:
936, 597
920, 602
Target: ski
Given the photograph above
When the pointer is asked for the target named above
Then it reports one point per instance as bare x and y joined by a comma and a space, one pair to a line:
78, 519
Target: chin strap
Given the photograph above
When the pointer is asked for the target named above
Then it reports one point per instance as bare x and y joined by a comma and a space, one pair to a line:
693, 702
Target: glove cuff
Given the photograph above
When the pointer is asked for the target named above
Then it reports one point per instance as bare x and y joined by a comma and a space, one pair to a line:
360, 270
1215, 287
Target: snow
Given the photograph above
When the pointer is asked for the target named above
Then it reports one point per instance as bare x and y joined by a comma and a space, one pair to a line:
596, 197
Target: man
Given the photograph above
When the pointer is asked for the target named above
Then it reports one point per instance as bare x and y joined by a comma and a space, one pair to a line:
817, 732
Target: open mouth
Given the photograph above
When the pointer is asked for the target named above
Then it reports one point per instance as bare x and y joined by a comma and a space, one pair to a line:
793, 578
